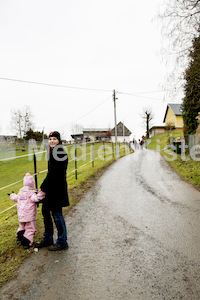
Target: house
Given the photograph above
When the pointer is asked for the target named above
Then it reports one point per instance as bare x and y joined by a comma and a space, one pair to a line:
173, 119
104, 134
173, 116
123, 133
78, 137
96, 134
154, 130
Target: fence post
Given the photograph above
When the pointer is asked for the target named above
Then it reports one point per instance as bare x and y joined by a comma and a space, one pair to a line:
75, 162
93, 154
104, 151
35, 170
113, 150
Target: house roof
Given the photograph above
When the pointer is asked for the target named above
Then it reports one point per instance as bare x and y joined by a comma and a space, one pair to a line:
176, 109
121, 128
76, 135
157, 127
95, 129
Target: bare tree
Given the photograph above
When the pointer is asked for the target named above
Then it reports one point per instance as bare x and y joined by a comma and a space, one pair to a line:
180, 24
181, 20
76, 128
148, 116
21, 120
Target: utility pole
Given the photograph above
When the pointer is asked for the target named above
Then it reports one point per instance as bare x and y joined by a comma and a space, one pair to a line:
43, 134
115, 117
19, 123
148, 114
123, 132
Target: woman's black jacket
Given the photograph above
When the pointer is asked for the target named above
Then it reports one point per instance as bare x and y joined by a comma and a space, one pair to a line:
55, 184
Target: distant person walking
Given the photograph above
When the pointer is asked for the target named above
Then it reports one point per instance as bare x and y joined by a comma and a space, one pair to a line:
142, 144
55, 187
26, 209
139, 144
135, 143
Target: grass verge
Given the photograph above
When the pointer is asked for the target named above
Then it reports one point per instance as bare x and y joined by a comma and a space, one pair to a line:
185, 166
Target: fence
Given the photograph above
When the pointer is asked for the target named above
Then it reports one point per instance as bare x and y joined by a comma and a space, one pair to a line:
193, 140
90, 152
9, 146
194, 146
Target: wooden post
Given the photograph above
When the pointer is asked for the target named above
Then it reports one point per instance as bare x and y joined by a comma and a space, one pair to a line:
115, 117
35, 170
75, 162
93, 154
104, 151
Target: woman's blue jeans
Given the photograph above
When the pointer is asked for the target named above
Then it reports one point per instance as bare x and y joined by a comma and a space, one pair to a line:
60, 225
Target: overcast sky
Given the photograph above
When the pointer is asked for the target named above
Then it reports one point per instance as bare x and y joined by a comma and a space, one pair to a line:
94, 44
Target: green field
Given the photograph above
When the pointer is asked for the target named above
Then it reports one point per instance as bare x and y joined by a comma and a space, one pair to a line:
11, 171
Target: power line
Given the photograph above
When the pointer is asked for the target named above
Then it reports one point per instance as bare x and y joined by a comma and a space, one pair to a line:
93, 108
86, 113
75, 87
53, 85
139, 95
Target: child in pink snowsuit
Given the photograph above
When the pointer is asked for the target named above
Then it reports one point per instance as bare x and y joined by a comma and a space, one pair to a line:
26, 209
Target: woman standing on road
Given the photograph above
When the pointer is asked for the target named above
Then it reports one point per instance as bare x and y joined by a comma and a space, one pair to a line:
55, 187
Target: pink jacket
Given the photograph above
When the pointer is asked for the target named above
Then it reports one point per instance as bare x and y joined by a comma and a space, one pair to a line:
26, 203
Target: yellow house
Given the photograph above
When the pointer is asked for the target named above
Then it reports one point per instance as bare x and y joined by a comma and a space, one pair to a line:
173, 116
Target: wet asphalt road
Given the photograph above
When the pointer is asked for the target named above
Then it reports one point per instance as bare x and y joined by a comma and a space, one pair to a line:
134, 236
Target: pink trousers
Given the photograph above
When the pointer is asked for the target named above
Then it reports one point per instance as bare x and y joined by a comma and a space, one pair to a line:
30, 230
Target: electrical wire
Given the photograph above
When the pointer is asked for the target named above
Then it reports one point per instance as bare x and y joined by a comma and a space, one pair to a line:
83, 116
86, 89
75, 87
139, 95
53, 85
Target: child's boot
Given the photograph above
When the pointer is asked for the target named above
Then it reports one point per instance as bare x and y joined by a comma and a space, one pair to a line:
25, 243
20, 235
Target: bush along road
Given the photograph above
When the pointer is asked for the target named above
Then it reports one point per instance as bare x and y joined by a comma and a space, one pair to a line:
135, 235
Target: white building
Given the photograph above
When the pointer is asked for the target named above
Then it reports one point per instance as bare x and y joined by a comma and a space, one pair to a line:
105, 134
